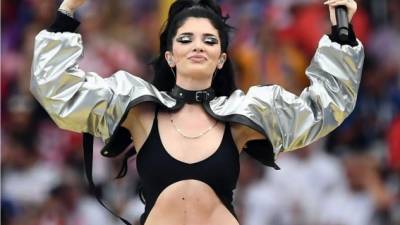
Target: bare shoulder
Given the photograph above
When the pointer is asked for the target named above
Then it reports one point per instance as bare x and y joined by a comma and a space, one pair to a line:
145, 112
139, 122
242, 134
140, 115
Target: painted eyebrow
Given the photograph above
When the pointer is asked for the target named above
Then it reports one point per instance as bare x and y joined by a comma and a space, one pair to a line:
191, 34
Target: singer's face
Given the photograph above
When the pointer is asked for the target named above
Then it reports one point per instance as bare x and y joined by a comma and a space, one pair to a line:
196, 49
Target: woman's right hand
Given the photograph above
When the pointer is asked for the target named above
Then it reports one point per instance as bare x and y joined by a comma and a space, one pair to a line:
351, 6
71, 5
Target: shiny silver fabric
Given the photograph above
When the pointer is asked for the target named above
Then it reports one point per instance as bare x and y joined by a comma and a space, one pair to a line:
84, 102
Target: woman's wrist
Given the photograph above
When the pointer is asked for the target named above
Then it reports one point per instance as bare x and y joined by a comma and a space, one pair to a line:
334, 36
63, 23
66, 10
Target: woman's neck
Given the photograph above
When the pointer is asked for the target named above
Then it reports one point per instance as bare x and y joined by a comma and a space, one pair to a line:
190, 111
192, 84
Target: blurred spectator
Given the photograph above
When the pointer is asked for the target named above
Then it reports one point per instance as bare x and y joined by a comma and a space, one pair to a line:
251, 174
394, 162
66, 205
41, 165
363, 200
118, 55
25, 178
394, 144
293, 194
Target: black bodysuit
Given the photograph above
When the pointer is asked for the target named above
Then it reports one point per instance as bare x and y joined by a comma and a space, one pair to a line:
157, 169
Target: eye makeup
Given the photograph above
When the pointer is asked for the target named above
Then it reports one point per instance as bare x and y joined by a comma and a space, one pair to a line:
208, 39
184, 39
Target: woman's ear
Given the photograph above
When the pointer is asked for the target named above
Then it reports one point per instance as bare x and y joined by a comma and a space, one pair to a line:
221, 60
169, 58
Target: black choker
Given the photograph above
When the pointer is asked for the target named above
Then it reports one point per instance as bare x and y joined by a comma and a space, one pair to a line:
192, 97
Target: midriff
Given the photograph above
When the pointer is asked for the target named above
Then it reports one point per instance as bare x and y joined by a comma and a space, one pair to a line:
189, 202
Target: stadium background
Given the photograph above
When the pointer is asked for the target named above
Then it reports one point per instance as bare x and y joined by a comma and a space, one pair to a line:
352, 177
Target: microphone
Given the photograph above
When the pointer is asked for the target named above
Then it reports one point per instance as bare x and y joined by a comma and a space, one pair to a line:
342, 21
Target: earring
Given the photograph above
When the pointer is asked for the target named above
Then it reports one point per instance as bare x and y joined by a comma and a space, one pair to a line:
220, 62
171, 61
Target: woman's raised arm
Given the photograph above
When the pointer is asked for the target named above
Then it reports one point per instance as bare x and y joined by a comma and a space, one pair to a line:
77, 100
291, 121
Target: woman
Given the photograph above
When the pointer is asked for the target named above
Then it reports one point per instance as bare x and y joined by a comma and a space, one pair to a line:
190, 127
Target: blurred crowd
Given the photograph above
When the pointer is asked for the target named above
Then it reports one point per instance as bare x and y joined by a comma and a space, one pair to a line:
351, 177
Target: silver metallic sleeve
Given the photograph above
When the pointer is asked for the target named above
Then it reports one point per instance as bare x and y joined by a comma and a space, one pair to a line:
292, 121
76, 100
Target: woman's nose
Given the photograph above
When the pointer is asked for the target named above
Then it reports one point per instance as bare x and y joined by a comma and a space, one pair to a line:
198, 49
198, 46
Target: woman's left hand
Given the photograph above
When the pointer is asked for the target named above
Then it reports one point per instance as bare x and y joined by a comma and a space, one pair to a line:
351, 6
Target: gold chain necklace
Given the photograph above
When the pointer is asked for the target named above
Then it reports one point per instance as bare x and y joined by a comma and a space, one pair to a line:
191, 137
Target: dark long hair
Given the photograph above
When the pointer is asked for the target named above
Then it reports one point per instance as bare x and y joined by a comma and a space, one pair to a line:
223, 83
